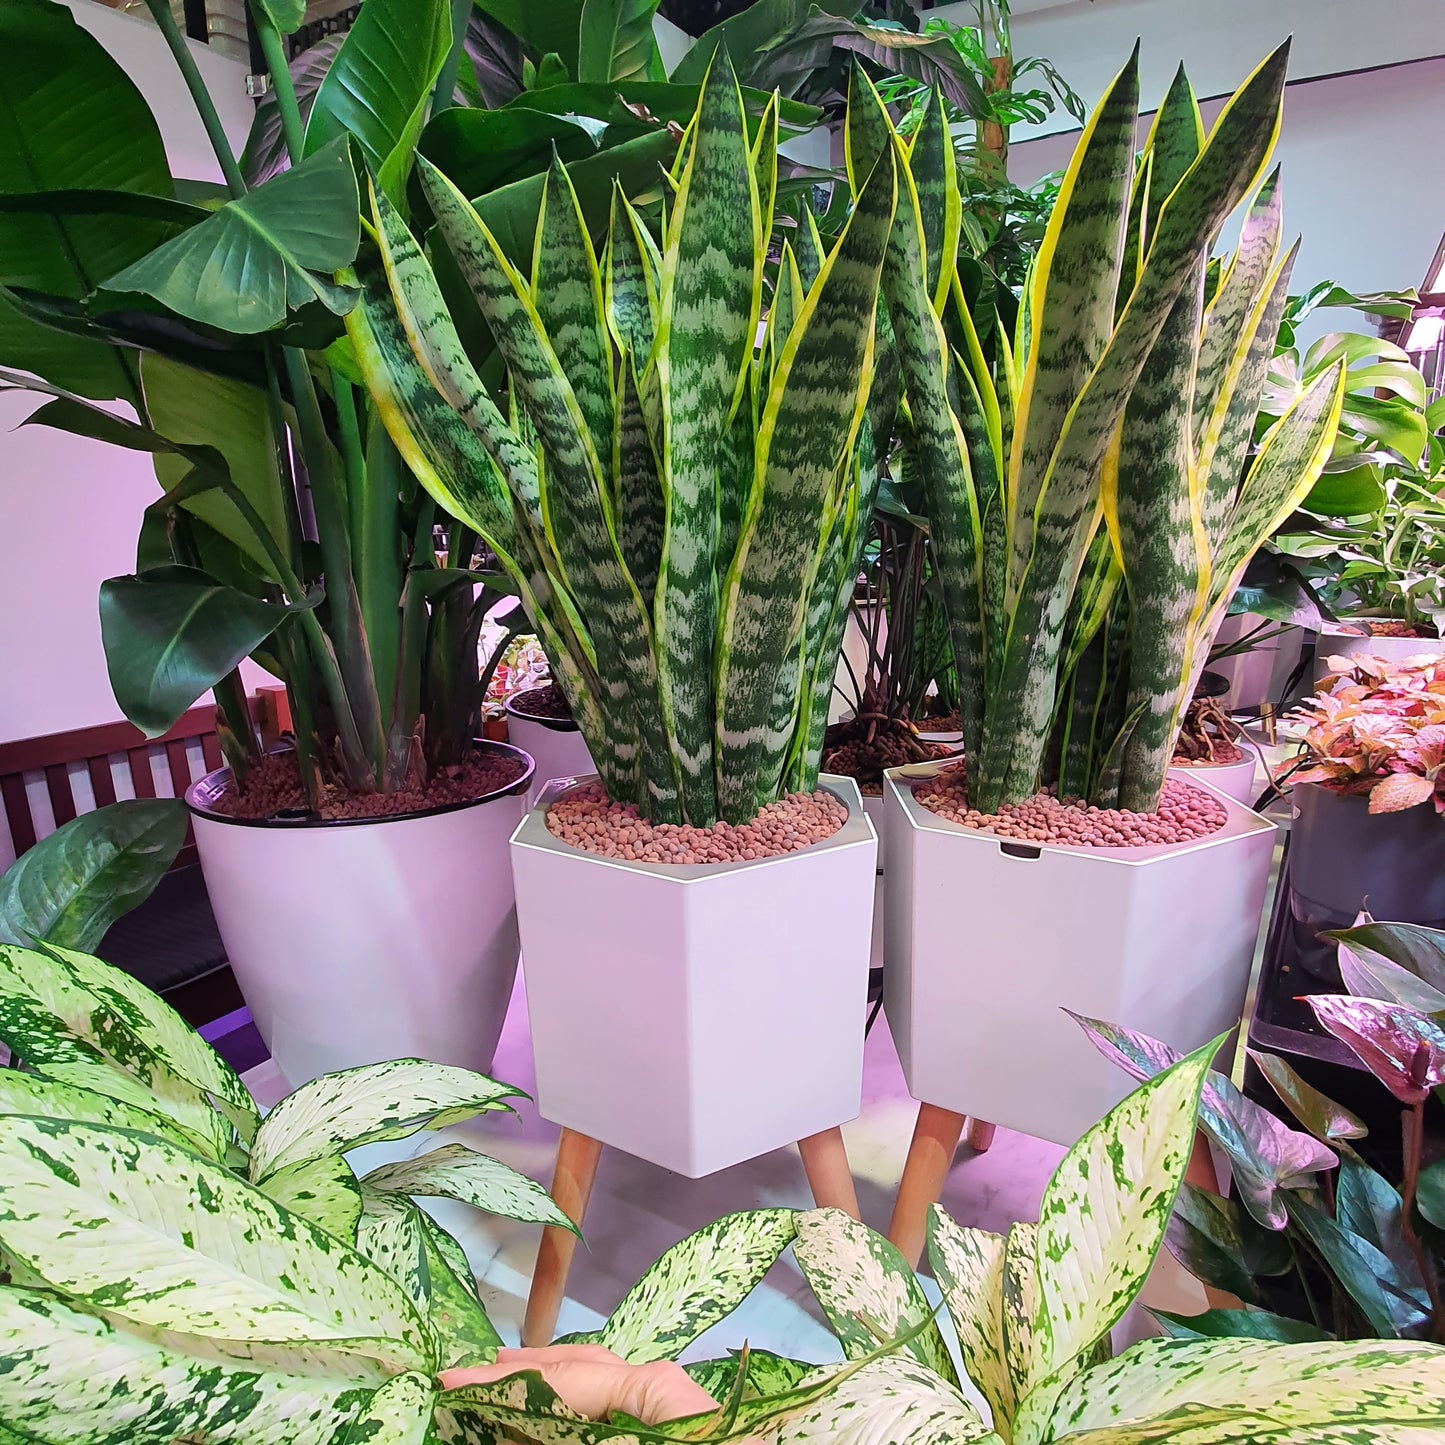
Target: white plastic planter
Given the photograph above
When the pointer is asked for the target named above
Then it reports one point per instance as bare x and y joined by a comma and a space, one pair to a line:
556, 745
1335, 642
357, 941
1259, 675
697, 1015
987, 947
1235, 780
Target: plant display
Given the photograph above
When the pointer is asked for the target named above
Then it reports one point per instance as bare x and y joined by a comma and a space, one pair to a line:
1379, 731
1090, 492
1330, 1233
682, 514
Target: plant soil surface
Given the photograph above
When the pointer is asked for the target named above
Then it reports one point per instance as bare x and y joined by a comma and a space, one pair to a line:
587, 819
1185, 814
1388, 627
547, 702
850, 750
948, 723
1225, 752
274, 784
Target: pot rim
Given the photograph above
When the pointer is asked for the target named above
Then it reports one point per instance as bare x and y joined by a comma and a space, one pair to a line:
552, 724
197, 798
1339, 627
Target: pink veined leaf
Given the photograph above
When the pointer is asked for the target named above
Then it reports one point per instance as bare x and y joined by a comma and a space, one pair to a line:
1403, 1049
1399, 791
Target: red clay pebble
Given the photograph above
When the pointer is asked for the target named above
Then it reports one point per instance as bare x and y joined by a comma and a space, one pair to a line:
1185, 814
587, 819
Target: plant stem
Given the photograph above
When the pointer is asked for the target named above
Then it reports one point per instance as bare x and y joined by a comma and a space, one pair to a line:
287, 108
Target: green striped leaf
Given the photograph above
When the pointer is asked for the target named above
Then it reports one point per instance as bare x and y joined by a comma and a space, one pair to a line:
1175, 140
400, 1413
630, 280
934, 168
697, 1283
969, 1267
45, 1097
810, 418
151, 1234
640, 510
456, 1172
324, 1190
360, 1106
866, 1289
76, 1379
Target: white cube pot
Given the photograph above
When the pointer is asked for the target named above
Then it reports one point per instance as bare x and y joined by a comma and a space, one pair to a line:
1235, 780
1337, 642
703, 1014
989, 940
556, 746
359, 940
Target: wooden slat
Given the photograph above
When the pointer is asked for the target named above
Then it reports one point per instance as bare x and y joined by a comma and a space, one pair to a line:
140, 771
211, 751
102, 783
62, 799
34, 754
180, 766
17, 812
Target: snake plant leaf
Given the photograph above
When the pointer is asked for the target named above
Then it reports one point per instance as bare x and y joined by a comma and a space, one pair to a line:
813, 409
630, 280
400, 1413
615, 42
1175, 140
365, 1105
641, 515
389, 1233
152, 1234
71, 886
45, 1097
380, 83
263, 255
1103, 1213
1361, 1389
456, 1172
934, 168
74, 1378
866, 1289
324, 1190
696, 1283
464, 1333
969, 1267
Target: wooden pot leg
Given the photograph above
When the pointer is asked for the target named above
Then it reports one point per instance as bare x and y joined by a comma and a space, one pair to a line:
577, 1156
935, 1137
825, 1162
979, 1135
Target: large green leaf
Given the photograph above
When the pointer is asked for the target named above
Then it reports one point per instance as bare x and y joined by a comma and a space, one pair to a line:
153, 1235
378, 86
359, 1106
615, 42
546, 28
70, 119
698, 1282
866, 1288
263, 255
70, 887
172, 633
76, 1379
750, 31
457, 1172
969, 1267
483, 150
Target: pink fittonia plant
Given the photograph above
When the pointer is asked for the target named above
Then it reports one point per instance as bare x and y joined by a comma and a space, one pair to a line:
1379, 731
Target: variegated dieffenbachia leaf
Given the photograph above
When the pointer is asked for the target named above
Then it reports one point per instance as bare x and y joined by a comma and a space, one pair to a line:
457, 1172
465, 1335
391, 1235
324, 1190
767, 1373
171, 1241
969, 1267
400, 1413
866, 1288
76, 1379
1020, 1303
1103, 1213
365, 1105
698, 1282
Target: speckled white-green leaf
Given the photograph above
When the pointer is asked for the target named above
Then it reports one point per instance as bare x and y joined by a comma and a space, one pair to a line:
1103, 1213
73, 1379
322, 1190
1333, 1391
362, 1106
457, 1172
398, 1414
148, 1233
465, 1336
391, 1235
696, 1283
892, 1401
1020, 1303
866, 1288
969, 1266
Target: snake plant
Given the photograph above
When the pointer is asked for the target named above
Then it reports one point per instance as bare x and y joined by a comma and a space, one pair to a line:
680, 503
1100, 459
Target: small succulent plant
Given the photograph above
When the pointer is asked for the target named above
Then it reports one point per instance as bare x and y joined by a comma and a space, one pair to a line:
1379, 730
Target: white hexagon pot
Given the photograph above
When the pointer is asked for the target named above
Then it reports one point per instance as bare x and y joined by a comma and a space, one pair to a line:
359, 940
988, 941
703, 1014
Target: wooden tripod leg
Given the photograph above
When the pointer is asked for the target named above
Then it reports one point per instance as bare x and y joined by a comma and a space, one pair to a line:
979, 1135
825, 1162
935, 1137
577, 1156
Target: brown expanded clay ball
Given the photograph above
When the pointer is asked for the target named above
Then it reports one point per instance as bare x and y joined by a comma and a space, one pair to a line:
586, 818
1185, 814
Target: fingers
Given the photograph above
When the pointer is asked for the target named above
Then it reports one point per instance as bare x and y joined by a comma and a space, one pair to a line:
512, 1362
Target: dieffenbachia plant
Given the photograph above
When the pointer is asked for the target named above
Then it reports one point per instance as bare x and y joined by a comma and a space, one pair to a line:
1107, 443
680, 501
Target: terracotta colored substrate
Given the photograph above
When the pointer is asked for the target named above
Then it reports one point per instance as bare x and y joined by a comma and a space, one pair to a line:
587, 819
546, 702
1185, 814
1225, 752
274, 785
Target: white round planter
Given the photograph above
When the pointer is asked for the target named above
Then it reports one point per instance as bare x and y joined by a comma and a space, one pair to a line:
1260, 674
1235, 780
356, 941
988, 942
697, 1015
556, 746
1336, 642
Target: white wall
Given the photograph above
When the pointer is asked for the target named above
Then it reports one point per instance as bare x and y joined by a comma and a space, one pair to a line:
70, 508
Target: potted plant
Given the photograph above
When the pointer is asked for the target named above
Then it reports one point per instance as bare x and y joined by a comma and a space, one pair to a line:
1211, 746
540, 721
1079, 632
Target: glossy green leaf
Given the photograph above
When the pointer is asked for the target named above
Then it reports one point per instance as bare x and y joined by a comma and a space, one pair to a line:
1368, 974
70, 887
1238, 1324
1430, 1196
615, 42
456, 1172
1324, 1118
1411, 945
482, 150
285, 15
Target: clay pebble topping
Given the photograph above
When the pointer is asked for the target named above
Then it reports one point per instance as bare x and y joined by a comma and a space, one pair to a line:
274, 786
587, 819
1185, 814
